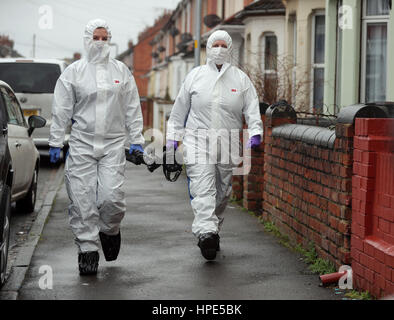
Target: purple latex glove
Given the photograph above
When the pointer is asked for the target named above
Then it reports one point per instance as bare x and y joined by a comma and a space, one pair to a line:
254, 141
171, 144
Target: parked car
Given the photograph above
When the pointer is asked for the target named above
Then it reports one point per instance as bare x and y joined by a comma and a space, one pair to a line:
6, 177
24, 154
33, 81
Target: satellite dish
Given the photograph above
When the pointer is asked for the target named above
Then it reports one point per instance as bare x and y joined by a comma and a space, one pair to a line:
212, 20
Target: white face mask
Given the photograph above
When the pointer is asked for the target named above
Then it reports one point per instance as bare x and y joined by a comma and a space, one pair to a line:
99, 44
218, 55
97, 50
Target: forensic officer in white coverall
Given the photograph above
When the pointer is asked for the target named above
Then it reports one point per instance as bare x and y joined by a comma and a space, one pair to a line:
99, 95
212, 101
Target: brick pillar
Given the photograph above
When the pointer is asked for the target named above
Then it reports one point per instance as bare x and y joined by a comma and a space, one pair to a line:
277, 114
372, 242
253, 183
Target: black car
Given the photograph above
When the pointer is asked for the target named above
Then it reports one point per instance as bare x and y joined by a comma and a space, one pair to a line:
6, 176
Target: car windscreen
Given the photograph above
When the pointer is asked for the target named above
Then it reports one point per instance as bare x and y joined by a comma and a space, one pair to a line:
30, 77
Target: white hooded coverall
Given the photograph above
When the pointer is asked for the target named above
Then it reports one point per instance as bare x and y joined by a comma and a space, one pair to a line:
209, 101
100, 95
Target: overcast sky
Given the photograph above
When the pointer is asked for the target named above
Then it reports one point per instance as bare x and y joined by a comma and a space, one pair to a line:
21, 19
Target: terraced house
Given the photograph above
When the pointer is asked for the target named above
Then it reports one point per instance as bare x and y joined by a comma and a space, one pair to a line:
359, 52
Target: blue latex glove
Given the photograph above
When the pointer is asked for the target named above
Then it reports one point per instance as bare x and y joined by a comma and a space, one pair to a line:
135, 147
54, 154
172, 144
254, 142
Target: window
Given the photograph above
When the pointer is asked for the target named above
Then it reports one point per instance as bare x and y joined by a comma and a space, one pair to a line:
318, 38
269, 54
377, 7
3, 118
293, 24
374, 50
241, 60
30, 77
248, 41
14, 112
183, 20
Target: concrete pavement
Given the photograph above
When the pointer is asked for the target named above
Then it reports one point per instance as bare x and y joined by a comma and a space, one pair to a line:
159, 258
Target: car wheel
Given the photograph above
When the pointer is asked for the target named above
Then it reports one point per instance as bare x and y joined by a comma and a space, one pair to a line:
28, 202
5, 234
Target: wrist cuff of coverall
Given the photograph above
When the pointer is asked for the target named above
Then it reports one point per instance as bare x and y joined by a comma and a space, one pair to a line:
54, 145
255, 133
139, 140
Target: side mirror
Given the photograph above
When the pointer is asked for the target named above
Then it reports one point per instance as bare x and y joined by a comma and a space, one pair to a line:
35, 122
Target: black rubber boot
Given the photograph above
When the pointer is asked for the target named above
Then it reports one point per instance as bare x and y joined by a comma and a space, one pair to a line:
209, 244
88, 262
110, 245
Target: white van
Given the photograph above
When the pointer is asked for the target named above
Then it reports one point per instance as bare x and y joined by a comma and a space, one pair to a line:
33, 81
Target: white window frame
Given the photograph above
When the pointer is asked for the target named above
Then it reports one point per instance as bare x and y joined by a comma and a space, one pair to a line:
367, 20
313, 64
248, 45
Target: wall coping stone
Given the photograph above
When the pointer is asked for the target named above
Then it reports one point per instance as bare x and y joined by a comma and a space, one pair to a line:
319, 136
280, 109
348, 114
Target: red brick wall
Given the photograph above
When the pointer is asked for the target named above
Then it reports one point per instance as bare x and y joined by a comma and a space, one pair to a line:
338, 194
253, 182
307, 192
142, 61
372, 245
212, 6
142, 55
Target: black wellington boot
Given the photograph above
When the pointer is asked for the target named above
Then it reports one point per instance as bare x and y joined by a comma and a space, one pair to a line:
88, 262
110, 245
209, 244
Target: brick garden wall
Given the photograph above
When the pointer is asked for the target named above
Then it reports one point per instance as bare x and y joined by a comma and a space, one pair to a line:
307, 187
302, 180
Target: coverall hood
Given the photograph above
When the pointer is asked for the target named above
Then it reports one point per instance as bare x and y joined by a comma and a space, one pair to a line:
211, 54
97, 51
